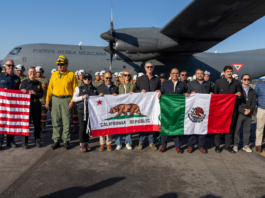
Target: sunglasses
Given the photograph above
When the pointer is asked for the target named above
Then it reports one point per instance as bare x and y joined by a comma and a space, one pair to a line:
246, 79
108, 78
183, 74
60, 64
125, 75
10, 65
86, 78
149, 67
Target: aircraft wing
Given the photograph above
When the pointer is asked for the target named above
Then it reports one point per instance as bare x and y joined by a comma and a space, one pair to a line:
205, 23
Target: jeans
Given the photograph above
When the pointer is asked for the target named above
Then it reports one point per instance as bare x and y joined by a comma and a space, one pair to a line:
128, 139
150, 137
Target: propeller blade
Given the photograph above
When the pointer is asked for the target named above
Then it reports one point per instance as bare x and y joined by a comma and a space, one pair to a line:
111, 52
111, 22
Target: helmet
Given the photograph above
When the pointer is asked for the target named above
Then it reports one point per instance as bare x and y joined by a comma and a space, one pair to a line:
235, 76
169, 78
3, 68
82, 72
134, 77
194, 77
120, 74
39, 69
140, 74
20, 68
222, 74
76, 72
207, 73
102, 72
116, 74
189, 78
61, 59
97, 73
53, 70
156, 75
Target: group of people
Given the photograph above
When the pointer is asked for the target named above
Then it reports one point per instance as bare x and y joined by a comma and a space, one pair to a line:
68, 92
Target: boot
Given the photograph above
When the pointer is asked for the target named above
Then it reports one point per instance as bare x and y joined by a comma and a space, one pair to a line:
74, 129
43, 127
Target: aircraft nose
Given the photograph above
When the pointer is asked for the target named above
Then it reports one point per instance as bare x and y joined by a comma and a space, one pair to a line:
108, 37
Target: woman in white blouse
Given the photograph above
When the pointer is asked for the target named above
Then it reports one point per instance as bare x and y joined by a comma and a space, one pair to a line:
81, 95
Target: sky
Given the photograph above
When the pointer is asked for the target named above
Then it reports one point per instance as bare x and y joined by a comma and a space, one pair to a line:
71, 22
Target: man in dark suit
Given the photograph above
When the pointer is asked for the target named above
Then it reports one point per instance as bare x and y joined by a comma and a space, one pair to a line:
247, 106
173, 86
228, 85
107, 88
199, 86
148, 83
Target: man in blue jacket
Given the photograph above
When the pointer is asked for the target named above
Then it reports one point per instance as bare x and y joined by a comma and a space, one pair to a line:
173, 86
260, 91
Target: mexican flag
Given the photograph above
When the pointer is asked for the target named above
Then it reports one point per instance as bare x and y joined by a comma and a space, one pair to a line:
197, 114
126, 113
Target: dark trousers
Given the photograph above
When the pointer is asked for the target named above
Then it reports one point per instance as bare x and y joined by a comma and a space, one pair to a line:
9, 138
83, 136
176, 139
192, 141
35, 113
228, 136
246, 121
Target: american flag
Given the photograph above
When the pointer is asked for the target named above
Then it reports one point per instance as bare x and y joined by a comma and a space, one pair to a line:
14, 112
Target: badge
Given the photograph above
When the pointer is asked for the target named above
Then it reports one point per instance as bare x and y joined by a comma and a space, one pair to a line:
2, 80
38, 86
16, 80
221, 89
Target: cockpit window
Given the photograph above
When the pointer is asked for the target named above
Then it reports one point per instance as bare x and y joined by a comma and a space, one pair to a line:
15, 51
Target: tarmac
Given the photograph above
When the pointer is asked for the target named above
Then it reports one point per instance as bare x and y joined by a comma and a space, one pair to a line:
42, 172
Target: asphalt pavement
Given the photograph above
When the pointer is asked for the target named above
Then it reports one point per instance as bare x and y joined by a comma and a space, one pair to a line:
138, 173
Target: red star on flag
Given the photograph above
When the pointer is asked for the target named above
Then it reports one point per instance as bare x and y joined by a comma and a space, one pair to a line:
99, 102
237, 66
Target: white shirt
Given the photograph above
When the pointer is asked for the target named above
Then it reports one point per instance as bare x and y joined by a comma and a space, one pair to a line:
76, 97
175, 84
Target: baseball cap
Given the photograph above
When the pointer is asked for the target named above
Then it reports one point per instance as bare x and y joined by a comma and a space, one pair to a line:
88, 76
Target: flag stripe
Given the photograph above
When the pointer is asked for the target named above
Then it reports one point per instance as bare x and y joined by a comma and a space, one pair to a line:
15, 102
14, 113
4, 108
13, 126
221, 112
15, 133
14, 105
14, 98
172, 114
19, 122
14, 130
124, 130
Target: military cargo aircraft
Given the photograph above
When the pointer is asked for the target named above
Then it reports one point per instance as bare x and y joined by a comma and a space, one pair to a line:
180, 43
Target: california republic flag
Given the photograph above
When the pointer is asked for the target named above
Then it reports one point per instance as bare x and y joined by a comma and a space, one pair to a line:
126, 113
